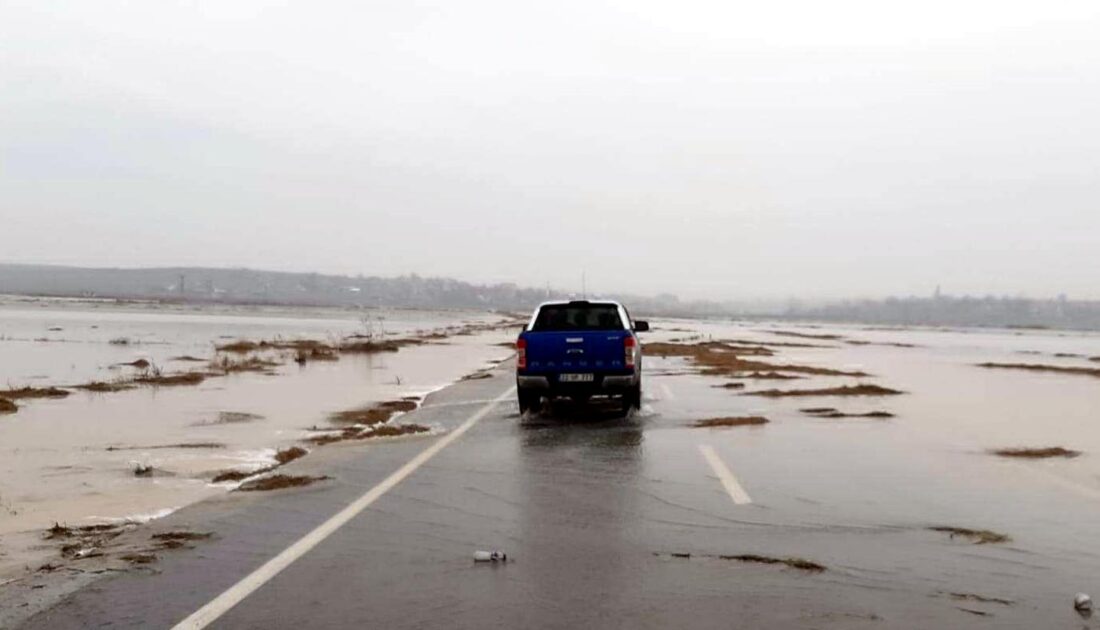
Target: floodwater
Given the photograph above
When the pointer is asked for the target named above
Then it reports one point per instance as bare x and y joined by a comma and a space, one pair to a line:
55, 465
628, 518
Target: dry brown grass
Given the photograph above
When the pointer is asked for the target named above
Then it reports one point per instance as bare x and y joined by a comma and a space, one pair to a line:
306, 355
371, 346
227, 365
184, 445
171, 380
279, 482
392, 430
7, 406
714, 358
374, 414
33, 392
977, 536
739, 421
847, 390
794, 563
777, 344
105, 388
972, 597
1036, 453
182, 536
236, 475
769, 376
141, 364
237, 417
288, 455
828, 412
731, 386
800, 335
1037, 367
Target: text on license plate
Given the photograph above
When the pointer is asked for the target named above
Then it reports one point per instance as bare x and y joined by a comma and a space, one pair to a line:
577, 378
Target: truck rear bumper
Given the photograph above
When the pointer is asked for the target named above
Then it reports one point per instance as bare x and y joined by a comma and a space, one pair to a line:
609, 382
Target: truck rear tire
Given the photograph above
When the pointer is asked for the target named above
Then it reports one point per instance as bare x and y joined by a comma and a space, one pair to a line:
528, 401
632, 399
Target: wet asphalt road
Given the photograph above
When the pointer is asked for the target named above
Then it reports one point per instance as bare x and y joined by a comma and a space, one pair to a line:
590, 507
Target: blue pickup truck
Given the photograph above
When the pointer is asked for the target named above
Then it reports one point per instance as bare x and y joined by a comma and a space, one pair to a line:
580, 349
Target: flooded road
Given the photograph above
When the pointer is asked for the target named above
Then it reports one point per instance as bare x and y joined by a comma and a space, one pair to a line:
73, 460
646, 521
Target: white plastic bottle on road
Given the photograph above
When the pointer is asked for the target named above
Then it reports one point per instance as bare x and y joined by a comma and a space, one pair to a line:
490, 556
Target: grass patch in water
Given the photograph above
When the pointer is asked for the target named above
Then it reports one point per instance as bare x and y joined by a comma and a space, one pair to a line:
1036, 453
1039, 367
279, 482
847, 390
740, 421
976, 536
33, 392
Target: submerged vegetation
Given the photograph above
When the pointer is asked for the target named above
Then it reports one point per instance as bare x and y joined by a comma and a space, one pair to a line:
740, 421
33, 392
374, 414
863, 389
7, 406
717, 358
977, 536
1037, 453
278, 482
829, 412
1038, 367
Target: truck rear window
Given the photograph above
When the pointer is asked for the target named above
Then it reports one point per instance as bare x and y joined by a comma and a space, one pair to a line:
578, 317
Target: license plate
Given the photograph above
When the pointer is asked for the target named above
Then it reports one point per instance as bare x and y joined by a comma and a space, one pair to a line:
577, 378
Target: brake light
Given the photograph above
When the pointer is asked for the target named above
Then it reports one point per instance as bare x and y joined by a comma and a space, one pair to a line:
521, 354
628, 349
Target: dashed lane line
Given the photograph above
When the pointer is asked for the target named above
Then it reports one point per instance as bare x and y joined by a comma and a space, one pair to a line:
729, 482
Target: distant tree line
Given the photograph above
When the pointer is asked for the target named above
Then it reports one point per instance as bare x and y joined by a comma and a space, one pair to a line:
248, 286
960, 311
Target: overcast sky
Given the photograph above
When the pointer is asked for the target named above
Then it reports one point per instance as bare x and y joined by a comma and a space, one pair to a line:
709, 149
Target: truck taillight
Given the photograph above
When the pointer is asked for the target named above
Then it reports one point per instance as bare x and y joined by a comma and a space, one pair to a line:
628, 349
521, 354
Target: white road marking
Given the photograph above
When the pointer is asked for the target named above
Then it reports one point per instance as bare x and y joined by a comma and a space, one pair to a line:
230, 598
736, 492
667, 392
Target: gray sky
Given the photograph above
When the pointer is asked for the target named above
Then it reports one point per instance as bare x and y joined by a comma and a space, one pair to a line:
710, 149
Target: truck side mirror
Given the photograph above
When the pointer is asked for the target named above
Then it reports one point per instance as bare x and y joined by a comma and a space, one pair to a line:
640, 326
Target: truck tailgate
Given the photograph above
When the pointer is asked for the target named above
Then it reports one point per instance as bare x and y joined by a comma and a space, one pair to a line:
595, 351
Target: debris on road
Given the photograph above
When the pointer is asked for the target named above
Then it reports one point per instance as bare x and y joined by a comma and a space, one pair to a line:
490, 556
1082, 602
977, 536
1037, 453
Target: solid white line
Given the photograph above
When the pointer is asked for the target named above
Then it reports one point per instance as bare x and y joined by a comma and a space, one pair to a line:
736, 492
667, 392
230, 598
